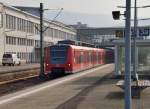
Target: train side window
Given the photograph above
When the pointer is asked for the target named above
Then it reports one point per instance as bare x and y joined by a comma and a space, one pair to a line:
81, 57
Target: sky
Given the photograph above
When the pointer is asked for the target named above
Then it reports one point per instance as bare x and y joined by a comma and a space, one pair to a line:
93, 12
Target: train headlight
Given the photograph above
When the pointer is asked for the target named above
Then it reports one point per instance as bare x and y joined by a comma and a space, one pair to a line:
69, 65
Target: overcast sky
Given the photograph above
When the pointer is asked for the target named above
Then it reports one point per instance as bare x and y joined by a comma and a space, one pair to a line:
89, 7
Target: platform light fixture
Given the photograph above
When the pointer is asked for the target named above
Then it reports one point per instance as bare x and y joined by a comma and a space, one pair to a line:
116, 15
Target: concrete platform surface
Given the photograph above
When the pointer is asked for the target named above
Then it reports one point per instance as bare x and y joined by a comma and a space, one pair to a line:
96, 90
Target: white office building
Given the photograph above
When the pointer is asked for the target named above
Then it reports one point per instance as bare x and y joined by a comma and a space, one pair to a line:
19, 33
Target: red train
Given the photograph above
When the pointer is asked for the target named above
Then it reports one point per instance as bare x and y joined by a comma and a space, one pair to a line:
65, 58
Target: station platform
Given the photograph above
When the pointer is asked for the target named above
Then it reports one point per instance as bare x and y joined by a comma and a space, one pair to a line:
91, 89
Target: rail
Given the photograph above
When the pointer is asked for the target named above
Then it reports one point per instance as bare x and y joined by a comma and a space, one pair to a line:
17, 75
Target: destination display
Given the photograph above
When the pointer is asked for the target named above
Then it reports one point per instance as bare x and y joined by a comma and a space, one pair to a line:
142, 32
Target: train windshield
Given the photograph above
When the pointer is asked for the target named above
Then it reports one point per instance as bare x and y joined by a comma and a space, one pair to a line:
58, 54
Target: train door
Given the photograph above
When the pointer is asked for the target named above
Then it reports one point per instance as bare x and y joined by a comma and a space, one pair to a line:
100, 57
86, 58
82, 60
97, 57
77, 63
90, 58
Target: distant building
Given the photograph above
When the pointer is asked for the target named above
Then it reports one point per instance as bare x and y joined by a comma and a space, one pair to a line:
104, 36
79, 25
96, 35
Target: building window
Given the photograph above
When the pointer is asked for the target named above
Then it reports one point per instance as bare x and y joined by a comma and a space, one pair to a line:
10, 40
25, 26
30, 42
37, 43
10, 22
21, 41
36, 28
30, 27
50, 32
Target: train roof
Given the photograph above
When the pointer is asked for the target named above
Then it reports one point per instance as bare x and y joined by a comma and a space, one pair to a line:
75, 42
78, 44
78, 47
83, 47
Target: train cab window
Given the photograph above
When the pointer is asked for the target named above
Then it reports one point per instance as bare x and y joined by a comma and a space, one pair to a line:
58, 54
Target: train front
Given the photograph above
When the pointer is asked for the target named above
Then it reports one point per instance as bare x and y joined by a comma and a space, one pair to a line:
58, 60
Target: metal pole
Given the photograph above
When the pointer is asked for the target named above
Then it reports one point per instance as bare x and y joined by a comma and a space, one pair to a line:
128, 56
134, 42
41, 41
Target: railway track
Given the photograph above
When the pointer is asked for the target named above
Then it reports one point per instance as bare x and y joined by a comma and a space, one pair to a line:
19, 80
31, 86
9, 77
16, 81
21, 84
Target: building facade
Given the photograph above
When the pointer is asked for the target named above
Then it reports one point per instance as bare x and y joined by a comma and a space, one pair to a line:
98, 36
104, 36
19, 33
